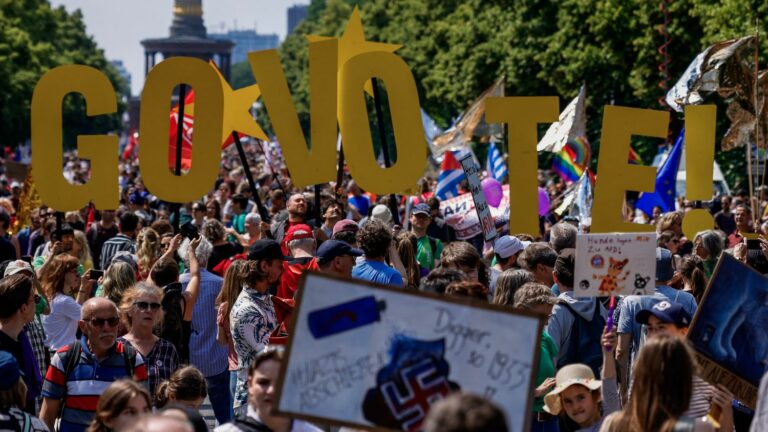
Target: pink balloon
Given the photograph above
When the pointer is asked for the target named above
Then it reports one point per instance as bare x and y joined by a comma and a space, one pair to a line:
493, 192
543, 202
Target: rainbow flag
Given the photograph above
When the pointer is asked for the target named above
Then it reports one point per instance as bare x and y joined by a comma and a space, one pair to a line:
570, 162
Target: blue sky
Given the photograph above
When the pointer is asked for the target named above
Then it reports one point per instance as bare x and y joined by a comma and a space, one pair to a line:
119, 26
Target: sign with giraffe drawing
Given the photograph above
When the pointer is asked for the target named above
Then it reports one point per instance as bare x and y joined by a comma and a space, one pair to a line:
615, 264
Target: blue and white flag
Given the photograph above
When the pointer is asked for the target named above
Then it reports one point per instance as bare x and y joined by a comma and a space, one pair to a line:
496, 166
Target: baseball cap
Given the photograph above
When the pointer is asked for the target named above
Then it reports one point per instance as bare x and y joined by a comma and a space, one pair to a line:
345, 225
331, 249
9, 370
18, 266
664, 271
422, 208
506, 246
666, 312
298, 232
381, 213
265, 249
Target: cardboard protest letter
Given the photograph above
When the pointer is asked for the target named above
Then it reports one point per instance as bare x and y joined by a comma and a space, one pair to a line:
307, 166
369, 356
699, 155
615, 264
482, 208
616, 175
728, 330
522, 115
47, 145
406, 122
206, 146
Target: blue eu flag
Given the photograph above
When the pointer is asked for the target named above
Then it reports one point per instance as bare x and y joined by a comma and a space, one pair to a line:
664, 194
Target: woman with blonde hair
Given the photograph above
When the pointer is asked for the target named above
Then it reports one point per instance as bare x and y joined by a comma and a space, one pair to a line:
147, 251
121, 404
142, 311
230, 290
119, 277
672, 221
81, 250
186, 387
60, 279
661, 390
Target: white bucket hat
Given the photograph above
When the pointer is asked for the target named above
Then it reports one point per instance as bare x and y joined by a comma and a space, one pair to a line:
567, 376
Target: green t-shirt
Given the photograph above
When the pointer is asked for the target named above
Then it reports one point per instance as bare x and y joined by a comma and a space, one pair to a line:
40, 307
238, 223
546, 367
424, 253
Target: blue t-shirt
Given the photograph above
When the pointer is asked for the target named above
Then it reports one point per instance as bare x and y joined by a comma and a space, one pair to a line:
378, 272
361, 203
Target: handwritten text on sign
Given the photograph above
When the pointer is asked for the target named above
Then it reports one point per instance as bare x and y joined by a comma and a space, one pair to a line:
615, 264
368, 356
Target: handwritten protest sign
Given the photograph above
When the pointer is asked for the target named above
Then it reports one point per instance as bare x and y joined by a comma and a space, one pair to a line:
370, 356
459, 212
478, 196
728, 331
615, 264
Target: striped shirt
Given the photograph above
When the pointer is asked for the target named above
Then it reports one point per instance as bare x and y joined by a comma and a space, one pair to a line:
204, 352
701, 398
80, 390
118, 243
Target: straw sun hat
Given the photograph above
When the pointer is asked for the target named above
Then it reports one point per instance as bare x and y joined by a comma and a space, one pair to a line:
567, 376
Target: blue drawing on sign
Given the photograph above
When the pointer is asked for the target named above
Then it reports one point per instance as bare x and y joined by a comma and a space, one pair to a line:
345, 316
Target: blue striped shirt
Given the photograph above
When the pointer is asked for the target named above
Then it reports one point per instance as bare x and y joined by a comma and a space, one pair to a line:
204, 352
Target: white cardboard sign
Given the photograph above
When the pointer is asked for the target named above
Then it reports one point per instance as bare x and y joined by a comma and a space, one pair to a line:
369, 356
615, 264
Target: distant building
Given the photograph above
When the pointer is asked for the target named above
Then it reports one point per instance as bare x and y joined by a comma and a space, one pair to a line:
296, 15
245, 41
120, 68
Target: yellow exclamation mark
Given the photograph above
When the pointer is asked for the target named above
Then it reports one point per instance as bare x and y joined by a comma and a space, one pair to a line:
699, 158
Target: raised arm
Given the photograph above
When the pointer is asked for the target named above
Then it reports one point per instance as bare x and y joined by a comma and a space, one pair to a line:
193, 288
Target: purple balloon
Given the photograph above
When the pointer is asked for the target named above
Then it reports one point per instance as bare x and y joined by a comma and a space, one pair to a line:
493, 192
543, 202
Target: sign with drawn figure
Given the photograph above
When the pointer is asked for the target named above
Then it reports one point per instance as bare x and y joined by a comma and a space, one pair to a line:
459, 212
728, 330
478, 196
615, 264
368, 356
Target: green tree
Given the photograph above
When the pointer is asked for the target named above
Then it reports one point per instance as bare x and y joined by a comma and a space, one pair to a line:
34, 38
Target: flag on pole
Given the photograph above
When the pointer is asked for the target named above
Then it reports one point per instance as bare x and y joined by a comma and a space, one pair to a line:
496, 165
133, 142
571, 162
451, 175
666, 180
571, 124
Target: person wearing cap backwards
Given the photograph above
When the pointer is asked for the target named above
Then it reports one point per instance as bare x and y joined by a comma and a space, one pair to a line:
253, 319
506, 249
336, 258
13, 394
301, 247
428, 249
629, 330
671, 318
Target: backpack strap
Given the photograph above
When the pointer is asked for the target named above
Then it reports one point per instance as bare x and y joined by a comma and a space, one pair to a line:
129, 357
73, 358
433, 245
248, 424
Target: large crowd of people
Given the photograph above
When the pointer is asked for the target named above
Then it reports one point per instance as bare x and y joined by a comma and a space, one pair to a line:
129, 319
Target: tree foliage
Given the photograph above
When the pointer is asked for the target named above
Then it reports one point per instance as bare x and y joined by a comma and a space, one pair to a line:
456, 49
34, 38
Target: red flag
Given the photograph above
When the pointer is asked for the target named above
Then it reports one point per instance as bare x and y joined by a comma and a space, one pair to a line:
91, 217
133, 141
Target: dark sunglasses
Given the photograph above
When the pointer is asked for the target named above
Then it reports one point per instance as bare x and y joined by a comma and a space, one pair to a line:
99, 322
37, 298
142, 305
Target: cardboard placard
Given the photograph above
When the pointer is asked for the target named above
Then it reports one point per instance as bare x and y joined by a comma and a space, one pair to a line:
615, 264
459, 212
369, 356
482, 208
728, 330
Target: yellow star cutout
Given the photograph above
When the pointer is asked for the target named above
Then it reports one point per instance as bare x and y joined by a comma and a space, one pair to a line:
353, 42
237, 105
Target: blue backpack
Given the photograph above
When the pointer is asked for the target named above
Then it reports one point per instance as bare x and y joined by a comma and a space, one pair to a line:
584, 344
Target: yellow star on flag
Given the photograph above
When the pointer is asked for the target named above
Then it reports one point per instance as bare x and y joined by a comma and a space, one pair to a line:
237, 105
353, 42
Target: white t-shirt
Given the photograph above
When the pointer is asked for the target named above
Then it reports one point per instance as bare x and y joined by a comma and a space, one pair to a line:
61, 325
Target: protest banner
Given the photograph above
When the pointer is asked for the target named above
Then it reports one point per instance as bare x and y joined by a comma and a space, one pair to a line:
459, 212
370, 356
482, 208
615, 264
728, 330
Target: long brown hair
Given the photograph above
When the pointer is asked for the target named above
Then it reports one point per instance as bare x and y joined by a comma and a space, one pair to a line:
692, 271
406, 249
233, 284
114, 400
52, 278
662, 387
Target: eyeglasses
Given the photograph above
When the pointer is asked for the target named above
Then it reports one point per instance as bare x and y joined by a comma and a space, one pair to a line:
99, 322
37, 298
142, 305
